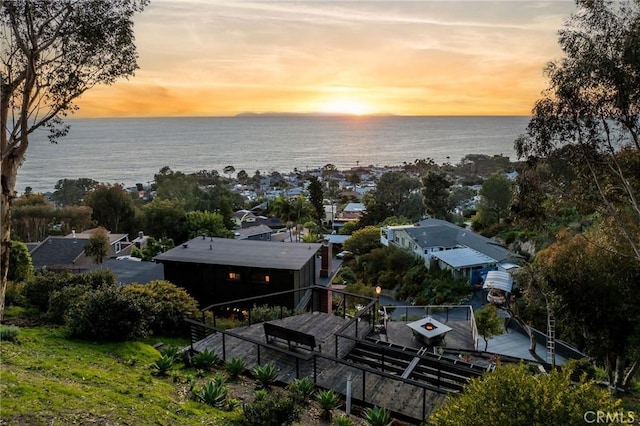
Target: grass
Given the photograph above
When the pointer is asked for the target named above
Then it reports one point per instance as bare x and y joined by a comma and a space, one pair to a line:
46, 378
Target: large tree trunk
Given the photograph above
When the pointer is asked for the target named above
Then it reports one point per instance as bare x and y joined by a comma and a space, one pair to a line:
8, 172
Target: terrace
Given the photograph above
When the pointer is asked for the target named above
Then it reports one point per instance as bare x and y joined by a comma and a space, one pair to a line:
357, 352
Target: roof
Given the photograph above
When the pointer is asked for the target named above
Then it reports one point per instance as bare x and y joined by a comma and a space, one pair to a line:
462, 257
470, 239
128, 272
355, 207
498, 279
57, 251
252, 230
336, 238
247, 253
435, 236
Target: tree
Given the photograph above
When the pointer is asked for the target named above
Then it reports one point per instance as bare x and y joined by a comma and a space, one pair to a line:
229, 170
496, 194
593, 103
512, 396
112, 207
597, 294
52, 52
164, 219
72, 191
363, 240
395, 195
20, 265
316, 196
98, 245
488, 323
435, 190
242, 176
206, 223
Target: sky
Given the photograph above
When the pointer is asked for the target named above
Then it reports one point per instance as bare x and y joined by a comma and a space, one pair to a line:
222, 58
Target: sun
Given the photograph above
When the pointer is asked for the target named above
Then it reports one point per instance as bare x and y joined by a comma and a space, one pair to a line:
345, 106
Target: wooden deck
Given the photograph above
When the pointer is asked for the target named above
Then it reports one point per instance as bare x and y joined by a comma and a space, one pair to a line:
337, 338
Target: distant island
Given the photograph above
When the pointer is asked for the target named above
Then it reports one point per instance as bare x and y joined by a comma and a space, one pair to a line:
309, 114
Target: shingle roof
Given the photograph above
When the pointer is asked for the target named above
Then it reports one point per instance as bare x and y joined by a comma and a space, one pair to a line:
467, 238
260, 254
57, 251
127, 271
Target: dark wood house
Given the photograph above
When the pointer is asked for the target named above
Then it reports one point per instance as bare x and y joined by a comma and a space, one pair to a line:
216, 270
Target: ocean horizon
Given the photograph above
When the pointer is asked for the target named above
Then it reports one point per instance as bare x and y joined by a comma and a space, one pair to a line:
131, 150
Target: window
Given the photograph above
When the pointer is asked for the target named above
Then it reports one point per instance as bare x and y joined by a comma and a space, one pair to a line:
234, 276
260, 277
118, 247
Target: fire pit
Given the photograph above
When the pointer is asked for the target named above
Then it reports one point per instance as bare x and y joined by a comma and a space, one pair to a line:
429, 330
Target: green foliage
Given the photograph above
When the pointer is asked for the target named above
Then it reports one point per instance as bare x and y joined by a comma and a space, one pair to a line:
165, 220
328, 400
435, 190
205, 360
14, 295
511, 395
213, 393
20, 265
260, 394
206, 223
363, 240
343, 420
265, 375
431, 287
9, 333
377, 416
61, 300
395, 196
112, 208
162, 365
72, 191
235, 367
108, 314
272, 409
97, 246
496, 195
172, 351
316, 196
302, 389
169, 305
153, 248
264, 313
488, 323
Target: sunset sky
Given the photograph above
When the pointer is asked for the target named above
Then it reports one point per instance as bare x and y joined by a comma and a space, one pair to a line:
221, 58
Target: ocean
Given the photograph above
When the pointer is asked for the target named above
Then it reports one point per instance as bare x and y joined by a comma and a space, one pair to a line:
131, 150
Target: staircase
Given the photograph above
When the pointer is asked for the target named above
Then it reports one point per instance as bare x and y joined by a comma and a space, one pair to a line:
551, 338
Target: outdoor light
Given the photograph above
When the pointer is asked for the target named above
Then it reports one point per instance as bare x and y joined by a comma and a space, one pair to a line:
378, 290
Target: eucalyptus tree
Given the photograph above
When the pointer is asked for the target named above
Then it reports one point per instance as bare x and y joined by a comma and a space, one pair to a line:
51, 53
593, 103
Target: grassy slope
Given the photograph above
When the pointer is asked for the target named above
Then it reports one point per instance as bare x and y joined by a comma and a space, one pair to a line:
46, 378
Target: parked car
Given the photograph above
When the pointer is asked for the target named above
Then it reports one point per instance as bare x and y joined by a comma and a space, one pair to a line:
344, 254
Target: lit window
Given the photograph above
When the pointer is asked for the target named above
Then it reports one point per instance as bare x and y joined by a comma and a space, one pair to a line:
266, 278
234, 276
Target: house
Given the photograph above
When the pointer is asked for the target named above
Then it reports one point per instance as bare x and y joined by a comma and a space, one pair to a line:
259, 232
129, 272
67, 253
242, 216
463, 252
351, 213
215, 270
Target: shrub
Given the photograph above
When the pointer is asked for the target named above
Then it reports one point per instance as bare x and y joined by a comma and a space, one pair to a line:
302, 389
267, 313
108, 314
9, 333
213, 394
235, 366
205, 360
265, 375
377, 416
328, 400
162, 365
14, 295
169, 304
38, 289
272, 409
61, 300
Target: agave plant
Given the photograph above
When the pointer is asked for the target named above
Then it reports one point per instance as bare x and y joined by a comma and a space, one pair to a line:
205, 360
343, 420
302, 389
171, 350
377, 416
235, 366
260, 394
212, 394
328, 400
265, 375
162, 365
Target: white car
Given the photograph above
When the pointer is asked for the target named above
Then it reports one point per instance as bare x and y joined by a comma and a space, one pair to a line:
344, 254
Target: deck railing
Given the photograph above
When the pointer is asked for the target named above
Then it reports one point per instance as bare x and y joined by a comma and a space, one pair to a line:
413, 312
